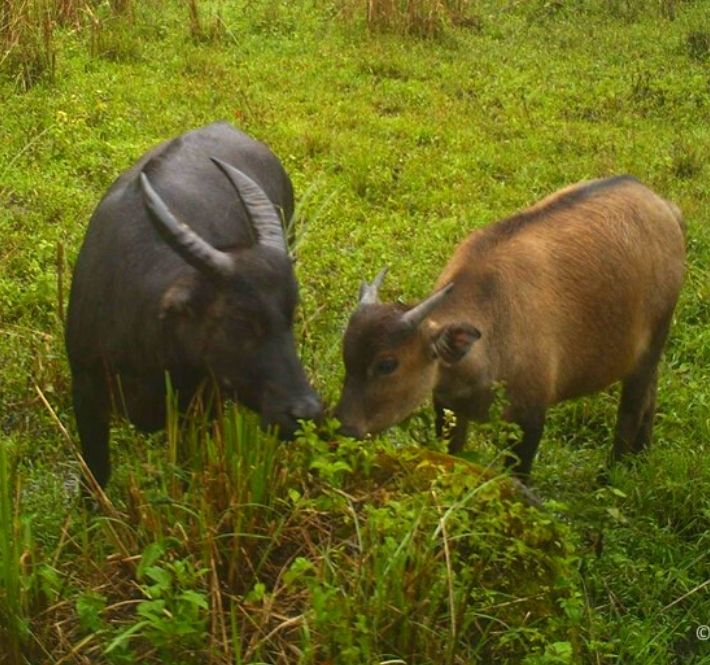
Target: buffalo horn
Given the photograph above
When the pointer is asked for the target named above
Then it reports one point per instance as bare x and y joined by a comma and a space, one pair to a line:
264, 218
368, 292
196, 251
413, 317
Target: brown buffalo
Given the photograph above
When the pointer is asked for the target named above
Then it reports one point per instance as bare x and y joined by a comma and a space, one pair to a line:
561, 300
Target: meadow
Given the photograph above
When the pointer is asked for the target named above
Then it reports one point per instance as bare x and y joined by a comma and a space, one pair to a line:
403, 125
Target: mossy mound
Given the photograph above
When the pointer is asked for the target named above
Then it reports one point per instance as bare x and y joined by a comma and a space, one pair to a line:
427, 558
321, 551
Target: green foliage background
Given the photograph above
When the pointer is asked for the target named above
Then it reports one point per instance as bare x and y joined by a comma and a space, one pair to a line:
397, 146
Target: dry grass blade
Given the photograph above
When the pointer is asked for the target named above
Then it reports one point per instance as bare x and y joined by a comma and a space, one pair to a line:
686, 595
75, 650
106, 505
218, 615
105, 502
35, 139
449, 570
288, 623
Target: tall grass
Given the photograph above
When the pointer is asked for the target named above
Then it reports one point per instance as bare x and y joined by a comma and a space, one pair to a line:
13, 621
29, 30
233, 548
27, 38
424, 18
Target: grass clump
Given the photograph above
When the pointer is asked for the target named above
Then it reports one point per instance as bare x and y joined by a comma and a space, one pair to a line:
422, 18
698, 44
27, 41
31, 32
13, 629
317, 551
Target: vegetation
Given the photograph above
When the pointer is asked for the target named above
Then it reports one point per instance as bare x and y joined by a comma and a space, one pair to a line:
403, 125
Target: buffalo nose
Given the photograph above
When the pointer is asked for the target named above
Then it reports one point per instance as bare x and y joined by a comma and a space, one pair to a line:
306, 408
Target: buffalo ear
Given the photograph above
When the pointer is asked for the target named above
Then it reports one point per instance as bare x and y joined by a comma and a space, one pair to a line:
452, 342
178, 299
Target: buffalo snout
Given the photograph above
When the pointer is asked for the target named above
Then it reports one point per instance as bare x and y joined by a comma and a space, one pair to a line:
307, 407
285, 416
349, 423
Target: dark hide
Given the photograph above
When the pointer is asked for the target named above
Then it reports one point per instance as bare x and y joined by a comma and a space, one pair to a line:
138, 308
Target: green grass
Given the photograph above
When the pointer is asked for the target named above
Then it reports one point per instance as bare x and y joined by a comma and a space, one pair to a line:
397, 147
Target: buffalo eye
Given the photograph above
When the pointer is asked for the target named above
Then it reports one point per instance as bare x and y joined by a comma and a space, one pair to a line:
386, 366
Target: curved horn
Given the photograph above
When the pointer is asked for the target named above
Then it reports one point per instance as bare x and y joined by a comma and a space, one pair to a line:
264, 218
417, 314
196, 251
368, 292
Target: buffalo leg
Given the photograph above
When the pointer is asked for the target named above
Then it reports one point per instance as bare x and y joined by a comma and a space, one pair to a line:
439, 419
92, 411
458, 436
143, 401
636, 411
522, 454
637, 406
643, 437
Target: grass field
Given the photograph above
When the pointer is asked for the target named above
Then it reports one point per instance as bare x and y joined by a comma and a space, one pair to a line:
401, 131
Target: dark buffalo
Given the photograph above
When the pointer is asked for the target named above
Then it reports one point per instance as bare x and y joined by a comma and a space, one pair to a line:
184, 270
